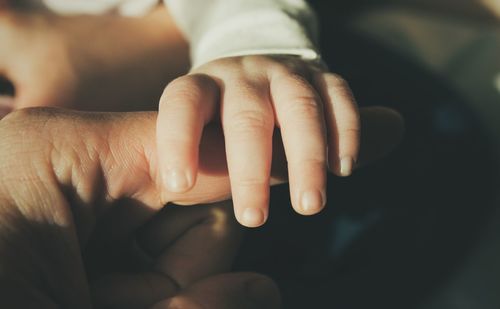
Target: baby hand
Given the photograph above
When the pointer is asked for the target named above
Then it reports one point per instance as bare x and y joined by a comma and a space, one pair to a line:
251, 95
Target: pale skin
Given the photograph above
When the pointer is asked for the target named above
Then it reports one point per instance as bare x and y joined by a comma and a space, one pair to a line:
250, 96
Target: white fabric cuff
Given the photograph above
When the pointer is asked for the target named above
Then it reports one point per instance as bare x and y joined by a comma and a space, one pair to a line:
254, 33
222, 28
97, 7
227, 28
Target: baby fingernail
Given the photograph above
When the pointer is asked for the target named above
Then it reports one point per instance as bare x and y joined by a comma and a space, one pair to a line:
177, 180
312, 201
346, 166
253, 217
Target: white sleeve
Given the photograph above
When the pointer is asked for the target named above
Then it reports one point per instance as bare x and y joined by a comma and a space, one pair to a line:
98, 7
224, 28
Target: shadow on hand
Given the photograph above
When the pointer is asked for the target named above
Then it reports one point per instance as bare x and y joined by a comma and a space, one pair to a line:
396, 231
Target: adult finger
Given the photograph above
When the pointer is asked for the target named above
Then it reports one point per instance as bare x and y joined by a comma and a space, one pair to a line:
248, 123
107, 148
299, 113
227, 291
131, 290
186, 105
189, 244
342, 120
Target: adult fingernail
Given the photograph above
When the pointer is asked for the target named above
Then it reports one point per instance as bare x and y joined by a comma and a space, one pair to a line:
346, 166
312, 201
177, 180
262, 293
253, 217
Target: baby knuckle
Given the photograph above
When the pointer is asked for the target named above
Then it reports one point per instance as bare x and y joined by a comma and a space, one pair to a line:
250, 181
178, 88
317, 160
190, 88
306, 106
352, 131
201, 81
257, 61
249, 121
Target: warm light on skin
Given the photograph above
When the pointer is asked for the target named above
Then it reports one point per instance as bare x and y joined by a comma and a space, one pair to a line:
493, 5
220, 219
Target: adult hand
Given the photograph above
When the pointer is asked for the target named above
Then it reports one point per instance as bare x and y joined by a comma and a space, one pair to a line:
76, 185
84, 183
178, 259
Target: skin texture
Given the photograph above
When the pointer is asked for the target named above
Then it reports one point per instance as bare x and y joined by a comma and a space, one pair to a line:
251, 96
84, 189
79, 186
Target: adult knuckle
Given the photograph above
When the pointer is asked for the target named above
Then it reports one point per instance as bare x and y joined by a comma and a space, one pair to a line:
21, 114
32, 119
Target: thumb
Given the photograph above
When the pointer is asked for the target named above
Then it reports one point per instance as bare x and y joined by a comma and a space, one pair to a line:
121, 148
227, 291
382, 130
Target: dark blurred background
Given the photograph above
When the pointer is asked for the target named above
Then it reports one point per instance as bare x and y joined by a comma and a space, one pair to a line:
421, 228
